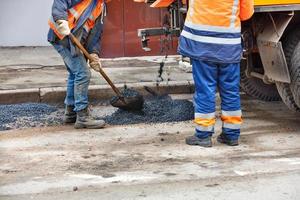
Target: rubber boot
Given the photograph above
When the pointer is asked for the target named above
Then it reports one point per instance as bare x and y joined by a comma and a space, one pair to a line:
194, 140
70, 115
222, 138
85, 120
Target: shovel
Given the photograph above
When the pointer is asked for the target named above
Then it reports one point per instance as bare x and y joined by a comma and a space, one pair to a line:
128, 99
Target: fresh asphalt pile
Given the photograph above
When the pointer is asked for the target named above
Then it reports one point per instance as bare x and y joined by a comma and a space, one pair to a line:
28, 115
156, 110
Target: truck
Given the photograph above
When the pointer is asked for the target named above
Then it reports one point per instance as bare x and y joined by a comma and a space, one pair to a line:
270, 67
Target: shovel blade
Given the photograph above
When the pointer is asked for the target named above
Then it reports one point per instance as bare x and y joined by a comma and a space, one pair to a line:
128, 103
130, 100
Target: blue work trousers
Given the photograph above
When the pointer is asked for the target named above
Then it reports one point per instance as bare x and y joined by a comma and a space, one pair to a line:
78, 79
209, 76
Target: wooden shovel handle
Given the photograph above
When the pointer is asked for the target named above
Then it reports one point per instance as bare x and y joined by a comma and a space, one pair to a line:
86, 53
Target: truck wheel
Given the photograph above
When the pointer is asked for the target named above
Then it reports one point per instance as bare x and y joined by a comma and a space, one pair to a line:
295, 75
289, 44
287, 96
257, 88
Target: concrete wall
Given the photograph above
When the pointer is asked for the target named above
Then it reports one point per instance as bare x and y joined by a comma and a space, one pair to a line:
24, 22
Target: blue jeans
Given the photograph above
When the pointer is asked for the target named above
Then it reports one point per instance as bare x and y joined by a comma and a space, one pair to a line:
209, 76
78, 79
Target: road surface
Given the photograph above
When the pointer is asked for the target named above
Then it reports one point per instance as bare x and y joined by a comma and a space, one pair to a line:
151, 161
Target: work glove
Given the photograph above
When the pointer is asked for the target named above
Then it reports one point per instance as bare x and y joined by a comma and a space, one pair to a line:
95, 63
63, 27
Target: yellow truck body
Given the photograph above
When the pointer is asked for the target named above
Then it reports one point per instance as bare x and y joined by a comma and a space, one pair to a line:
275, 2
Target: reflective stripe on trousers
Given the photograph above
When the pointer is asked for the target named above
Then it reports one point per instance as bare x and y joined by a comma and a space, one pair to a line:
207, 77
205, 121
232, 119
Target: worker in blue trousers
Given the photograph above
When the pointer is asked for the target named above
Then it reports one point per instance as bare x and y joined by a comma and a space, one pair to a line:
211, 37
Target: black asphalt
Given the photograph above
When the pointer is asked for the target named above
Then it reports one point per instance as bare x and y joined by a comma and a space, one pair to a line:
156, 110
28, 115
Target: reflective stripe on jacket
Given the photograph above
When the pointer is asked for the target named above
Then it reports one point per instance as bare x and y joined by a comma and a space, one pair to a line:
84, 13
212, 30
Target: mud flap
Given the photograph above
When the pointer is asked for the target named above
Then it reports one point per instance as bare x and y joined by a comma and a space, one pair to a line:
270, 48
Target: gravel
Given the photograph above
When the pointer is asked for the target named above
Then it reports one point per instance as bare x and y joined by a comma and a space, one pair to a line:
127, 93
156, 110
28, 115
130, 93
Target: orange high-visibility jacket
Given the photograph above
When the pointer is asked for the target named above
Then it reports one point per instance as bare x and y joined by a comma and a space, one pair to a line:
94, 8
212, 30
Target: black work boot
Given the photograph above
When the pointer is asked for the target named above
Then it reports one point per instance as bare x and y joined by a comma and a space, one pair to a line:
70, 115
222, 138
194, 140
85, 120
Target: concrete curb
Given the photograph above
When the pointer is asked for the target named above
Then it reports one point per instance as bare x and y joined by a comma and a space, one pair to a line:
56, 95
19, 96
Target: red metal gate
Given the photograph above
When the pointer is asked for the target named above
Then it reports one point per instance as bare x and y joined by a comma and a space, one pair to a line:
120, 33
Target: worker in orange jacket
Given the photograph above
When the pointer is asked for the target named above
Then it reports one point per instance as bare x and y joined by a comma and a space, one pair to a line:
83, 18
211, 37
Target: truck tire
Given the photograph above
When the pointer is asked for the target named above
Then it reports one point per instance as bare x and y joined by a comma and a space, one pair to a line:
289, 44
257, 88
295, 75
287, 96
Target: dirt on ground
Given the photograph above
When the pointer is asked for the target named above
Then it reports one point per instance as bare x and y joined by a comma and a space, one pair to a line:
151, 161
